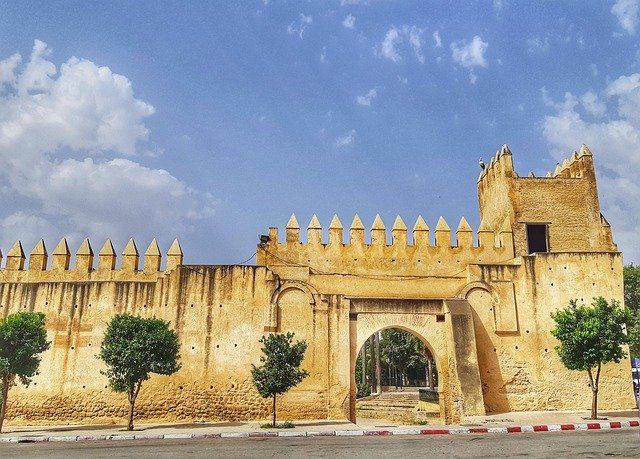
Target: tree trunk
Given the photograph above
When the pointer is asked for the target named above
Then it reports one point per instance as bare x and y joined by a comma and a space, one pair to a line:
274, 410
6, 382
363, 365
378, 375
133, 395
594, 391
430, 379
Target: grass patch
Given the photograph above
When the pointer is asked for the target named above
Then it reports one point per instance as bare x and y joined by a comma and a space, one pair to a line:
282, 425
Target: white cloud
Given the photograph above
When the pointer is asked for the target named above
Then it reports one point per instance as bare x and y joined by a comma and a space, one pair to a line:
349, 22
323, 55
470, 54
7, 70
388, 46
395, 37
626, 11
415, 40
592, 104
300, 26
61, 134
614, 138
437, 39
346, 139
352, 2
365, 100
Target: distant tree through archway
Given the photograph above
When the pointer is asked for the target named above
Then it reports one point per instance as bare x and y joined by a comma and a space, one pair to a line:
393, 359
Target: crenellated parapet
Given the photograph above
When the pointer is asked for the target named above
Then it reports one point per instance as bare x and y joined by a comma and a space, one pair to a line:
40, 269
419, 253
500, 165
579, 165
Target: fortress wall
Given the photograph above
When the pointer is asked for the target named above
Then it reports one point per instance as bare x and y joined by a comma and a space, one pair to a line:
218, 313
520, 369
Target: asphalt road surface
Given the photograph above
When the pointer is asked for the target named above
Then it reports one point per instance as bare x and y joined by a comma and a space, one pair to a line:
582, 444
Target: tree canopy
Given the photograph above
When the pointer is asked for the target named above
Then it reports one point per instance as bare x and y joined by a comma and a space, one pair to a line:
403, 350
590, 336
134, 348
631, 275
632, 303
23, 337
280, 369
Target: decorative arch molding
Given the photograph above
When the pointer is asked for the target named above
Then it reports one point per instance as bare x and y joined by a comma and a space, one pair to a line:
271, 319
308, 290
463, 294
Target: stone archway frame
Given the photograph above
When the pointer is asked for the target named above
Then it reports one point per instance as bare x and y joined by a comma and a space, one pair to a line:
451, 341
271, 319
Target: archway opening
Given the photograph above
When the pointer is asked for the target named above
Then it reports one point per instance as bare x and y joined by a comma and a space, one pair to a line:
396, 378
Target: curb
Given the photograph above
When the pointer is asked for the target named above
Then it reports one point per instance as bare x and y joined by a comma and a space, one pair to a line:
334, 433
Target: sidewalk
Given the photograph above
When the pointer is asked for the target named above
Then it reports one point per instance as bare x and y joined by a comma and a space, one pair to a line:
533, 421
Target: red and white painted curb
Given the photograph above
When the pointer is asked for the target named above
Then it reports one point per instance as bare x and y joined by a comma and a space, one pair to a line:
332, 433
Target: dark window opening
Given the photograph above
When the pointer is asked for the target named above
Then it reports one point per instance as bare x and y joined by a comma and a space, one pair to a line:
537, 237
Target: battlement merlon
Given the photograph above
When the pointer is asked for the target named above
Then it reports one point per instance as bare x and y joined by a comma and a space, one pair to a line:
84, 262
416, 257
564, 201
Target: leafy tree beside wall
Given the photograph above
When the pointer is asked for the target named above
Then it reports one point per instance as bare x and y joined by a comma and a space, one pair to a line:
135, 347
22, 338
280, 369
590, 336
632, 303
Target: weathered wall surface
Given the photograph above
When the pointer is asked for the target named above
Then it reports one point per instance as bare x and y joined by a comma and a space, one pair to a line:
478, 300
217, 312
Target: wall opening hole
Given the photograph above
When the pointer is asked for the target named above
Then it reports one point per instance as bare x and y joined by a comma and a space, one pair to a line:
537, 238
439, 317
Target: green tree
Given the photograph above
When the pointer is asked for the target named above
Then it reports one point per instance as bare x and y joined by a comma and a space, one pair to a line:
590, 336
135, 347
22, 337
280, 369
403, 350
631, 275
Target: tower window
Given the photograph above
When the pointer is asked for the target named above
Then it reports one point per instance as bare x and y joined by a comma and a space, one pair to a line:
537, 237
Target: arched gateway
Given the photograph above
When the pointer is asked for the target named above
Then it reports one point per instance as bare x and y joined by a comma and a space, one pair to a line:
481, 302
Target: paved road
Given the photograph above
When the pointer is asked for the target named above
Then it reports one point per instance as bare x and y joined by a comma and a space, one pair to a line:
585, 444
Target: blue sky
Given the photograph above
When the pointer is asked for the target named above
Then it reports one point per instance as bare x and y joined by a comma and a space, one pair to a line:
211, 121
